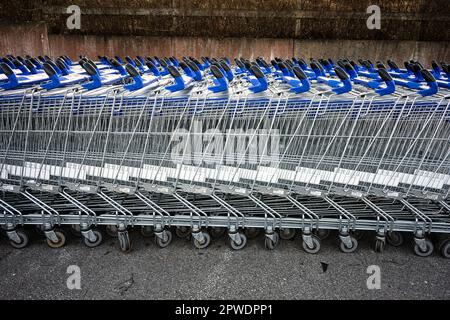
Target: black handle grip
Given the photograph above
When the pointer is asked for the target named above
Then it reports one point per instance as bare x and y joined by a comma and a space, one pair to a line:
216, 72
183, 65
150, 65
299, 73
28, 64
192, 65
427, 75
341, 64
392, 64
131, 70
434, 65
240, 64
257, 72
115, 63
50, 62
407, 65
415, 67
224, 65
348, 67
446, 68
314, 65
173, 71
247, 64
6, 69
380, 65
17, 63
89, 68
49, 70
341, 73
289, 63
384, 75
35, 62
281, 65
137, 62
366, 64
60, 63
163, 63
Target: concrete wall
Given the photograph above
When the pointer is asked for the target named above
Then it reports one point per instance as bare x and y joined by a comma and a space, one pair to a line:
33, 39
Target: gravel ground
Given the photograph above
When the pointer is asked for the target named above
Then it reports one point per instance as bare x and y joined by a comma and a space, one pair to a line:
182, 272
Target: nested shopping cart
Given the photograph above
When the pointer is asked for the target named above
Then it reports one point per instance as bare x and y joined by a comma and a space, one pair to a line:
208, 148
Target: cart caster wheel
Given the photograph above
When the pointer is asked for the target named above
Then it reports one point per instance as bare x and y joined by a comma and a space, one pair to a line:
217, 233
240, 246
357, 234
124, 241
271, 244
346, 249
322, 234
445, 249
316, 245
61, 235
24, 239
96, 243
394, 238
163, 244
252, 233
428, 251
206, 241
147, 231
111, 231
287, 234
182, 232
379, 245
75, 230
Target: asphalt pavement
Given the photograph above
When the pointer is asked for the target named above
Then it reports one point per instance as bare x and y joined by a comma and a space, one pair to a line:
182, 272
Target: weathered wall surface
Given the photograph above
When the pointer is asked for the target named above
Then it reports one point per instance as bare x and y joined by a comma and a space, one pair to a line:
418, 29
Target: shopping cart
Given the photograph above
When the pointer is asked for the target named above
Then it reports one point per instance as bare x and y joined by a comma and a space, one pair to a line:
207, 148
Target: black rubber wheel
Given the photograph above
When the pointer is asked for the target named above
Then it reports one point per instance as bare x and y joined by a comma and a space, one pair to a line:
240, 246
445, 249
206, 241
379, 245
24, 239
163, 244
252, 233
75, 230
182, 232
124, 241
316, 245
322, 234
288, 233
111, 230
345, 249
271, 244
96, 243
147, 231
62, 238
427, 252
394, 238
217, 232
